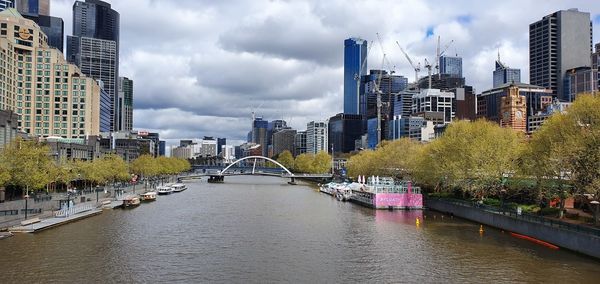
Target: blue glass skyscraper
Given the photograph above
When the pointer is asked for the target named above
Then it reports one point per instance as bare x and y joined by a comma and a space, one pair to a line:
355, 65
503, 74
451, 65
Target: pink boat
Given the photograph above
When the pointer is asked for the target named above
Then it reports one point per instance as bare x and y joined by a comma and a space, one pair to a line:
385, 193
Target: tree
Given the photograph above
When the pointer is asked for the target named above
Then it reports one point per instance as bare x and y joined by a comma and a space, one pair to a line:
303, 163
472, 156
321, 163
27, 163
286, 159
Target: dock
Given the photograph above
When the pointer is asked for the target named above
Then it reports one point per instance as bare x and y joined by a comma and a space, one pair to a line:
53, 222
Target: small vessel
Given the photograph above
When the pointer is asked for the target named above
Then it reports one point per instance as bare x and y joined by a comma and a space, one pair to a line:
148, 196
164, 190
386, 193
131, 201
178, 187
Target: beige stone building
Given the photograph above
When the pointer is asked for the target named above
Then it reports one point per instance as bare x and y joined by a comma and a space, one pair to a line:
51, 96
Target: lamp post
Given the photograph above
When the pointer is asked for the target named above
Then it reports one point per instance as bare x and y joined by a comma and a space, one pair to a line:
596, 205
97, 188
26, 198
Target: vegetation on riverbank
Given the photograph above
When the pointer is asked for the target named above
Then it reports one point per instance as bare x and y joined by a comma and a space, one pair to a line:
480, 159
306, 163
28, 165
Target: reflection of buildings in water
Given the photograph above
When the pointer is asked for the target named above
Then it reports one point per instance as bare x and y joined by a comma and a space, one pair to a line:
398, 216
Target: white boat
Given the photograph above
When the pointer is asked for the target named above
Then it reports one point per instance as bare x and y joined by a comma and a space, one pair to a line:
164, 190
178, 187
148, 196
131, 201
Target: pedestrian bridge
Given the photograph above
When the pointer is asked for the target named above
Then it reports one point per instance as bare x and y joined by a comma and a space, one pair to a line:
220, 175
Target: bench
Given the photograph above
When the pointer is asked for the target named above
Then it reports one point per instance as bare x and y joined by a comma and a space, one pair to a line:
30, 221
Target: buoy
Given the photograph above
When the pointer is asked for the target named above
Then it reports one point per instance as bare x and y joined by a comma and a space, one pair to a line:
418, 222
481, 229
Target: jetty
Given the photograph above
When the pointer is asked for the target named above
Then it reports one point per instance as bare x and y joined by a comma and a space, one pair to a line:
61, 217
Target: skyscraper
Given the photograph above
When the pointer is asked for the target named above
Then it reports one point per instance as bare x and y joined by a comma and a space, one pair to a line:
503, 74
39, 12
355, 65
34, 7
451, 65
125, 104
316, 137
6, 4
50, 95
559, 42
94, 47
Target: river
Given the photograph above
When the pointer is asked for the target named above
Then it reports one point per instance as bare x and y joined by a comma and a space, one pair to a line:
260, 229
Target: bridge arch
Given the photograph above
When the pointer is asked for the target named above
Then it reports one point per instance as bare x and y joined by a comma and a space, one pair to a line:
257, 157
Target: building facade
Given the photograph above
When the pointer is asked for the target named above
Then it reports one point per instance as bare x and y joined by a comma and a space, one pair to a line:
344, 130
503, 75
283, 140
451, 65
490, 107
300, 143
413, 127
557, 43
51, 96
94, 47
8, 127
512, 110
5, 4
317, 137
434, 100
465, 103
581, 80
355, 64
35, 7
125, 104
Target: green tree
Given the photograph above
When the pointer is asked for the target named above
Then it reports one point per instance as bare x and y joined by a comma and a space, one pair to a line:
286, 159
304, 163
321, 163
27, 163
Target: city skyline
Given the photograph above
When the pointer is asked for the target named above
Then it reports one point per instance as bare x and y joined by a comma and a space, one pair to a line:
293, 65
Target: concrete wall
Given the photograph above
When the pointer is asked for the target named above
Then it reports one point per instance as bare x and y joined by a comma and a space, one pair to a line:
577, 241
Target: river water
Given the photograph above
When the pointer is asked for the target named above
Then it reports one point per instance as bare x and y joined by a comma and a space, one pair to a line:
259, 229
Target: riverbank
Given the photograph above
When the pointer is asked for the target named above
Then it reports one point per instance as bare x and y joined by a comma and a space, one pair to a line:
576, 238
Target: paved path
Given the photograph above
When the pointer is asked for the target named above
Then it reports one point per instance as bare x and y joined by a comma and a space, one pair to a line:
53, 222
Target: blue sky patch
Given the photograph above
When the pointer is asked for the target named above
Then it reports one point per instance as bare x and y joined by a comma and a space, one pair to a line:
597, 19
464, 19
429, 31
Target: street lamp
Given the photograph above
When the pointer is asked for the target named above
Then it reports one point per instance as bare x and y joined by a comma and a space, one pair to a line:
26, 198
596, 206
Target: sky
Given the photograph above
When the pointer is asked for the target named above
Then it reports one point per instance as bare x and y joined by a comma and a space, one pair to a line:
201, 67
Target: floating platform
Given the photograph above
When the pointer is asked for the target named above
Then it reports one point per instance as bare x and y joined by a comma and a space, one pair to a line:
53, 222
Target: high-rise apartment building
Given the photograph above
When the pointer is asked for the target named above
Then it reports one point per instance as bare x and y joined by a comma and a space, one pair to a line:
504, 74
125, 104
596, 62
434, 100
34, 7
451, 65
51, 96
355, 64
94, 47
4, 4
300, 143
316, 137
559, 42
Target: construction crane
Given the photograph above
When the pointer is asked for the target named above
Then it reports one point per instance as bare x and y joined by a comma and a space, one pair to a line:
417, 67
439, 55
428, 66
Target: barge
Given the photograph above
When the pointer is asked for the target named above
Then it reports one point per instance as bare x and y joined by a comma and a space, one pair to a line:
386, 193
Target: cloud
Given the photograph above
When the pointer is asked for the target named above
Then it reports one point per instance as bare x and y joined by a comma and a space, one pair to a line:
200, 67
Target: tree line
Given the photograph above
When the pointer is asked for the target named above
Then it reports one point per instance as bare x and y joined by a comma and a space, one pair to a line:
481, 159
29, 166
319, 163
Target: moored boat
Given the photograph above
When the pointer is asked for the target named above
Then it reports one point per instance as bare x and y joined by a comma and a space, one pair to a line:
179, 187
148, 196
164, 190
131, 201
386, 193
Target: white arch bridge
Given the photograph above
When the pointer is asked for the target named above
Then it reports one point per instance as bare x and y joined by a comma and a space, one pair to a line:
219, 176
